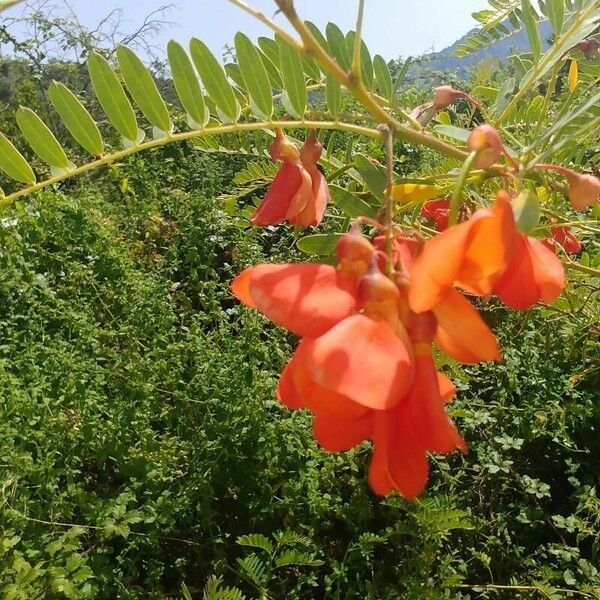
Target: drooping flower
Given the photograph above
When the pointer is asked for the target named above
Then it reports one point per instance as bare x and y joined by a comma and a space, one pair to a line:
485, 255
299, 192
437, 211
445, 95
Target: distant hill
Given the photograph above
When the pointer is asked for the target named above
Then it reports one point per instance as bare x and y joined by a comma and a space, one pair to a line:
447, 61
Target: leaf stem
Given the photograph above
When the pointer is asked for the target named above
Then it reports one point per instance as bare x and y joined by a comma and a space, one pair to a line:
183, 136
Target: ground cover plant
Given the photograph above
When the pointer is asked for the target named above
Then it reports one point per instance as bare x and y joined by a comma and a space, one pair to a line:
148, 449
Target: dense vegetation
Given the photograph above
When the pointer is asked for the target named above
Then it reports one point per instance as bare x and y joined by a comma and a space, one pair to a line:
143, 453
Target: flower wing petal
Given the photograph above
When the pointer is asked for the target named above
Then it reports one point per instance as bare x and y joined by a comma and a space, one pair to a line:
462, 333
303, 298
362, 360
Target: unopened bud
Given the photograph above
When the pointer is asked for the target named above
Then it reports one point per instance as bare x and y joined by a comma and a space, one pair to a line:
445, 95
584, 190
354, 252
486, 141
311, 149
283, 149
377, 295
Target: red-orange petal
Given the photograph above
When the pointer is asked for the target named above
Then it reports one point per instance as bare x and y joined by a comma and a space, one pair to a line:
447, 388
362, 360
303, 298
424, 407
339, 435
462, 333
535, 273
273, 208
398, 462
548, 270
299, 210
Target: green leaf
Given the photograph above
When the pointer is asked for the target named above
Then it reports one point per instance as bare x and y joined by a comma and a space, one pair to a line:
308, 64
555, 9
320, 244
453, 132
530, 20
352, 205
76, 118
270, 48
383, 78
13, 163
338, 46
112, 98
41, 139
256, 540
401, 75
292, 557
272, 71
333, 91
374, 175
366, 64
293, 77
214, 80
186, 84
143, 90
504, 94
255, 76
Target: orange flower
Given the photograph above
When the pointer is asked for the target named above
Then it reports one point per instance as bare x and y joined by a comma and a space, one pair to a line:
483, 255
471, 255
459, 331
299, 192
533, 274
364, 366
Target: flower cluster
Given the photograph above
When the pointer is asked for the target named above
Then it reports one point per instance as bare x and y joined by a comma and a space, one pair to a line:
364, 366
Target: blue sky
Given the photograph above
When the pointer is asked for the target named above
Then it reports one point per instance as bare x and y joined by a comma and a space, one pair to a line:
392, 27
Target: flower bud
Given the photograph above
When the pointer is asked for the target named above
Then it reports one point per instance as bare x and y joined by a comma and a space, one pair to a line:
445, 95
584, 190
282, 149
377, 295
311, 150
486, 141
354, 252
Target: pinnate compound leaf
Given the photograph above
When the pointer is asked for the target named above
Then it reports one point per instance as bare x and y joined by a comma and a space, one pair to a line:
256, 540
76, 118
143, 90
350, 204
41, 139
255, 77
13, 163
112, 97
214, 80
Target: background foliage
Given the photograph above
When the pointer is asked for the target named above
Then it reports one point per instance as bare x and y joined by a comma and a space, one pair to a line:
142, 452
